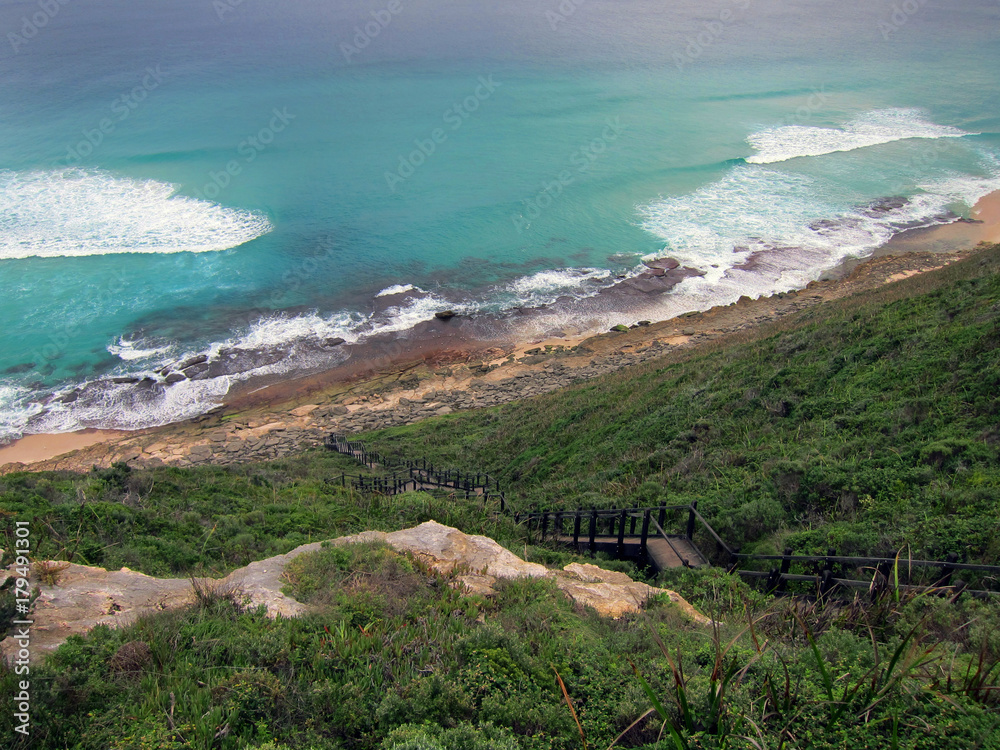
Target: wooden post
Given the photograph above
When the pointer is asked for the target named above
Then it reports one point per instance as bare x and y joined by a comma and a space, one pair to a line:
786, 564
691, 519
645, 532
545, 523
621, 533
773, 581
576, 530
947, 569
827, 583
558, 525
631, 525
593, 530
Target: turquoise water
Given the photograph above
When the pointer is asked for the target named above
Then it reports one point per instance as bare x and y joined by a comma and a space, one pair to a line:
200, 177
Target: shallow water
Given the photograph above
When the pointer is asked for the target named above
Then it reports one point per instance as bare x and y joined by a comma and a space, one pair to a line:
189, 177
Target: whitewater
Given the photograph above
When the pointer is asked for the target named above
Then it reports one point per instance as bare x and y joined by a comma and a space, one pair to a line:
117, 269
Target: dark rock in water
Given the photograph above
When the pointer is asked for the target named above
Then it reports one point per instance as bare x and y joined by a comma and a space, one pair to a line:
146, 383
821, 224
200, 359
174, 377
619, 328
70, 397
18, 369
644, 323
124, 381
662, 264
445, 314
197, 372
885, 205
335, 341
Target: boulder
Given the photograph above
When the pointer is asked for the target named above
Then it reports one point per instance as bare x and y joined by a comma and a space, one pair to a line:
444, 549
192, 361
614, 594
83, 597
445, 314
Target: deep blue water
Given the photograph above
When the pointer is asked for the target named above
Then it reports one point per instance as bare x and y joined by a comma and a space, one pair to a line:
175, 176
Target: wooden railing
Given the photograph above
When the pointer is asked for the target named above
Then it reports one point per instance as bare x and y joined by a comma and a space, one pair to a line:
618, 523
820, 572
408, 475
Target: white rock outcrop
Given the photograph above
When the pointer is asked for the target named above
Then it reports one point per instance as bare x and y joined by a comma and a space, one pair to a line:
84, 597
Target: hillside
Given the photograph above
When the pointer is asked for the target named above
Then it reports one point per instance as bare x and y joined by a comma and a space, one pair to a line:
867, 425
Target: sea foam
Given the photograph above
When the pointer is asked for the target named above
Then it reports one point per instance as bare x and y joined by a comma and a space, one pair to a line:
786, 142
753, 208
76, 212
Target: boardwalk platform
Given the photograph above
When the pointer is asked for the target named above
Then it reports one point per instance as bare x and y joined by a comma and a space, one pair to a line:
661, 553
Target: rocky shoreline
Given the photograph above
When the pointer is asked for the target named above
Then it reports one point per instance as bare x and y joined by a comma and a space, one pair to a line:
299, 414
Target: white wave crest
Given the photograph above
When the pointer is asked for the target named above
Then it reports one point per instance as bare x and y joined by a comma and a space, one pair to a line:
16, 409
544, 287
119, 407
131, 351
871, 129
752, 208
398, 289
76, 213
403, 317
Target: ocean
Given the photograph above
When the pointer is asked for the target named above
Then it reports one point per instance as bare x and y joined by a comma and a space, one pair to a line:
238, 183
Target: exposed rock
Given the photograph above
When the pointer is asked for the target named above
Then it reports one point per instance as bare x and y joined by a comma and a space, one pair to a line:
334, 341
84, 597
304, 411
200, 359
445, 314
614, 594
475, 584
444, 549
197, 371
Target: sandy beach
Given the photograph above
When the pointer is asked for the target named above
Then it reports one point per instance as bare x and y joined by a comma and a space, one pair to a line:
396, 378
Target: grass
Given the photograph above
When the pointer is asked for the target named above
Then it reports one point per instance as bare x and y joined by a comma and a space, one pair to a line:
868, 425
390, 657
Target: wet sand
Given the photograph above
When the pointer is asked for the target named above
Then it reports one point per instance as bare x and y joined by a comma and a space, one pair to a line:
445, 343
33, 448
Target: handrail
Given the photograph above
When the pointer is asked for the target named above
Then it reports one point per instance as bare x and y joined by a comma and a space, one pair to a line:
606, 512
427, 474
659, 528
711, 531
875, 560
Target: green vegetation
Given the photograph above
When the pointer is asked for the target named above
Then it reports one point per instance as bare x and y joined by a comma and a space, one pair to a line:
209, 519
868, 425
392, 658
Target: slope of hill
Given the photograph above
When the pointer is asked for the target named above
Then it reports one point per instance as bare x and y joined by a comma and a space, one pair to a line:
866, 424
